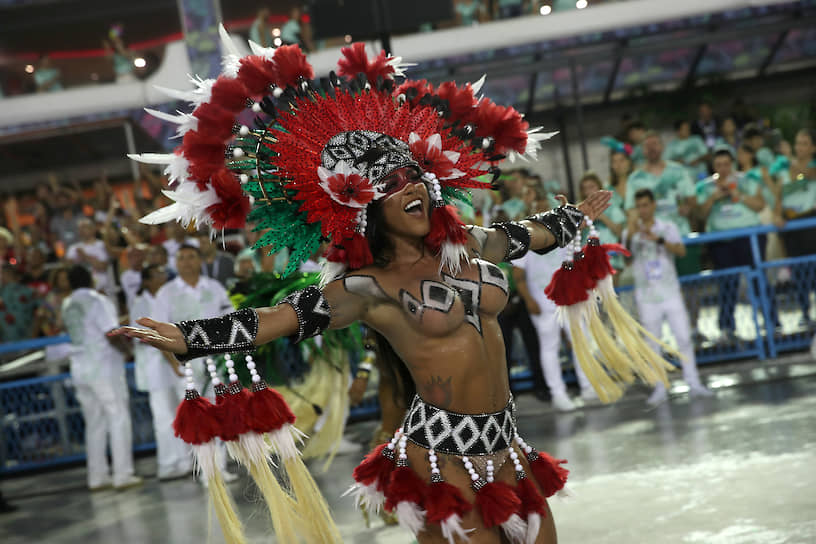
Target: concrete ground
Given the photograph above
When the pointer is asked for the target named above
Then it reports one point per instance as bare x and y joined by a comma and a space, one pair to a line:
734, 469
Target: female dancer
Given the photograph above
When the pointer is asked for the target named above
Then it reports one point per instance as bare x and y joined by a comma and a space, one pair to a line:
372, 169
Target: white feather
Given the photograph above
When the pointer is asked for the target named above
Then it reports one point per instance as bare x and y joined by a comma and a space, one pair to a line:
455, 174
410, 516
477, 86
196, 97
533, 527
366, 497
451, 257
283, 441
151, 158
330, 271
185, 121
452, 529
189, 204
261, 51
399, 66
534, 139
176, 169
226, 41
205, 460
515, 529
230, 61
250, 449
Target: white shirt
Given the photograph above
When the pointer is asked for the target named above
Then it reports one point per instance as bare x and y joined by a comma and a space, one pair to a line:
178, 301
172, 247
538, 271
88, 315
152, 371
95, 249
653, 265
130, 280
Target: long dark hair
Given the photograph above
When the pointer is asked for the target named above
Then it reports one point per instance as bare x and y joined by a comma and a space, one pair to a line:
613, 177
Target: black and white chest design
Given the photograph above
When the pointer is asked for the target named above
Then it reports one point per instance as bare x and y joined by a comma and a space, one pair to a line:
471, 290
435, 296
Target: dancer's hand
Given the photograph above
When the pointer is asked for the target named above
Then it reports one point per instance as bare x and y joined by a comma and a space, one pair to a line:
594, 205
164, 336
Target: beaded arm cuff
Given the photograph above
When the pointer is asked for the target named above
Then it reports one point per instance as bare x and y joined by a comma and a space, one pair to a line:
518, 239
228, 333
312, 309
562, 222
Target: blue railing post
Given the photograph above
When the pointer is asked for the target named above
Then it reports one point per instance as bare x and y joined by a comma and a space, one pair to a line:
765, 302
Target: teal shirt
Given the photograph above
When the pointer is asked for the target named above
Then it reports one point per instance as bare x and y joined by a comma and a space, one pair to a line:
755, 175
615, 214
673, 185
638, 158
765, 157
469, 12
685, 152
726, 214
798, 195
720, 143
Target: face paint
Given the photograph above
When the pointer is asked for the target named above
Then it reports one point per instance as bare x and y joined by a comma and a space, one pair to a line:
397, 181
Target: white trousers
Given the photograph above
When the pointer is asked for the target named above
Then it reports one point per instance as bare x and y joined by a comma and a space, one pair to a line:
172, 454
106, 408
549, 341
673, 310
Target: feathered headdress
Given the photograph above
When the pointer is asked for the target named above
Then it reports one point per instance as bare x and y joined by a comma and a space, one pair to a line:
314, 155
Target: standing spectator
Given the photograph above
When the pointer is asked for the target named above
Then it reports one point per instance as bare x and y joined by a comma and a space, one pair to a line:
46, 76
36, 276
293, 32
797, 180
98, 373
90, 251
131, 278
610, 223
634, 135
158, 374
753, 137
259, 31
689, 150
729, 137
176, 237
120, 55
620, 168
505, 9
654, 243
532, 273
7, 253
17, 306
749, 167
468, 12
64, 224
190, 296
728, 201
216, 264
245, 268
49, 313
706, 125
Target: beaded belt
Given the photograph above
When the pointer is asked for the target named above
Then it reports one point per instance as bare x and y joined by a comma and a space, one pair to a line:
459, 434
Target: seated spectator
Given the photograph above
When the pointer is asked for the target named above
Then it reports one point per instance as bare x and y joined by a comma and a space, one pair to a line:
706, 125
90, 251
98, 374
654, 243
797, 180
215, 264
689, 150
729, 201
17, 306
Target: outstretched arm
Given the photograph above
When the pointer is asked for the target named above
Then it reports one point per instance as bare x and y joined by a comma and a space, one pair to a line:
302, 314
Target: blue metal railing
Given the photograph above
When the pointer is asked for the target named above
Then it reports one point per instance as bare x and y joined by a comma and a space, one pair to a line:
42, 424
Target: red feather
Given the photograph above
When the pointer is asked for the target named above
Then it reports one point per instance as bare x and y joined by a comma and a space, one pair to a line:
355, 61
214, 121
531, 499
497, 501
229, 93
205, 154
502, 123
443, 500
549, 473
268, 411
232, 413
195, 421
445, 225
375, 468
404, 485
565, 288
256, 73
231, 211
291, 64
358, 251
580, 274
421, 85
460, 101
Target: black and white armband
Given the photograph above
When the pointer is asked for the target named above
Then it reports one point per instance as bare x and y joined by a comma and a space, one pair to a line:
229, 333
312, 309
562, 222
518, 239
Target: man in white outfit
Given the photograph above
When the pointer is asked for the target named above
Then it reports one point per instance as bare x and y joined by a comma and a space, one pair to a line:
654, 243
192, 296
98, 374
532, 273
158, 374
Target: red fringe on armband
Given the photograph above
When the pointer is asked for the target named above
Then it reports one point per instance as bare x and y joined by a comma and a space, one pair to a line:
195, 421
596, 258
548, 472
